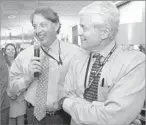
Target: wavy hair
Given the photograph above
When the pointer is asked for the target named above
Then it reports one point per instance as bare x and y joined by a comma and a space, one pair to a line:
48, 14
108, 13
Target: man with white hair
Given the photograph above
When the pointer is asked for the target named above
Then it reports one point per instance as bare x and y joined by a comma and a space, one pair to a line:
104, 86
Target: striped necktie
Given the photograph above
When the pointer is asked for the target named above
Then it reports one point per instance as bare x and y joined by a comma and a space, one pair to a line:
90, 93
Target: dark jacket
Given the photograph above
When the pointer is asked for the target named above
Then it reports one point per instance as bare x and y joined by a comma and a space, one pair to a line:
4, 74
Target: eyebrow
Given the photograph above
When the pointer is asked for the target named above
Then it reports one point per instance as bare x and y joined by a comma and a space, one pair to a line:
40, 23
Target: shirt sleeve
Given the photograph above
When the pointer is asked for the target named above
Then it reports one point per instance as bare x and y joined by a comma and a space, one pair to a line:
19, 79
69, 86
123, 104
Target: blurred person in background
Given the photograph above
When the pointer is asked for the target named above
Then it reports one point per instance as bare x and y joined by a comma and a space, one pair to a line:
4, 99
17, 105
21, 49
10, 53
142, 48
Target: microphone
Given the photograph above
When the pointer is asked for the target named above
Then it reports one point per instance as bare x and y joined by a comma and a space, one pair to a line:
36, 54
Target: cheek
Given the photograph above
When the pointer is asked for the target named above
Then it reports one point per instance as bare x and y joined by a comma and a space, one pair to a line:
48, 30
95, 36
90, 37
13, 51
87, 35
7, 51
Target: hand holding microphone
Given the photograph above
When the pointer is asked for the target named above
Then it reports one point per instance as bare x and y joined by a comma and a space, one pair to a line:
35, 67
36, 54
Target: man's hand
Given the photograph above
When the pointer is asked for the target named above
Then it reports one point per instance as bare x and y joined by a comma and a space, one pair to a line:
34, 66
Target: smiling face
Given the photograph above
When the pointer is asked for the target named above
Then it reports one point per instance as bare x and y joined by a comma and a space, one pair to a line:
89, 35
10, 51
44, 30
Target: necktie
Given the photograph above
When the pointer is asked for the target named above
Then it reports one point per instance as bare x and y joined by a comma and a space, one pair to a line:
41, 93
90, 93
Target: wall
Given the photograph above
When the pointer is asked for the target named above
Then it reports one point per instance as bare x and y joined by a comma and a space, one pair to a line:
67, 24
132, 23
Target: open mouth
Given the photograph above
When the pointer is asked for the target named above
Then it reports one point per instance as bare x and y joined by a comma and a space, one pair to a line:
83, 40
10, 54
41, 37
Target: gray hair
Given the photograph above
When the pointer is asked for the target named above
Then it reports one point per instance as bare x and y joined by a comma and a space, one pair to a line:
108, 12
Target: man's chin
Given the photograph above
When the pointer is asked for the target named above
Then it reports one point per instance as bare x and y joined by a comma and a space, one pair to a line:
45, 44
84, 46
42, 42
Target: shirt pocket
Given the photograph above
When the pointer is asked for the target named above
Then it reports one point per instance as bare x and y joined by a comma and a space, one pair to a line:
103, 93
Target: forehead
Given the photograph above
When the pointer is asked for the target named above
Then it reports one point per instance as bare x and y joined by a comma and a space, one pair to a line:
91, 19
85, 20
38, 18
10, 47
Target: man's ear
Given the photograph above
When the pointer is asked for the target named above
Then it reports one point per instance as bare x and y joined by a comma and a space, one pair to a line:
56, 26
105, 33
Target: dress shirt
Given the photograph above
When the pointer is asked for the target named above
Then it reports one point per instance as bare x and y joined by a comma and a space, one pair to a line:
121, 97
19, 73
17, 105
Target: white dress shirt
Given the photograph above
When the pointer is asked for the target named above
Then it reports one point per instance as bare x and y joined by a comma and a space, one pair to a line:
17, 106
57, 73
121, 97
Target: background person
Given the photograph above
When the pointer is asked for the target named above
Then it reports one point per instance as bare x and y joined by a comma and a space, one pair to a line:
17, 106
4, 99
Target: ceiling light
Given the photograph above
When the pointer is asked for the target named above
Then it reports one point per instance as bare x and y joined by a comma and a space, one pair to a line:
11, 16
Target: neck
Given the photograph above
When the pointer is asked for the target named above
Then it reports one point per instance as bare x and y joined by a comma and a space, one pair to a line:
103, 44
10, 58
50, 43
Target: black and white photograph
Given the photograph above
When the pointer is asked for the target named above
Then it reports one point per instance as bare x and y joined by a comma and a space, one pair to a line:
72, 62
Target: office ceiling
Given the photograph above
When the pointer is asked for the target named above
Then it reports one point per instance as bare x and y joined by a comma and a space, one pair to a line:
15, 14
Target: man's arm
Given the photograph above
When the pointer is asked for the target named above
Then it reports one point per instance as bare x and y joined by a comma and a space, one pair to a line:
69, 85
123, 104
19, 79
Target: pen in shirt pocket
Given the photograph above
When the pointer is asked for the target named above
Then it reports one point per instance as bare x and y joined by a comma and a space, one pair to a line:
102, 82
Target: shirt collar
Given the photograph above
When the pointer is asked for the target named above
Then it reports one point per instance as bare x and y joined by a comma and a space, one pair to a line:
107, 49
54, 49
